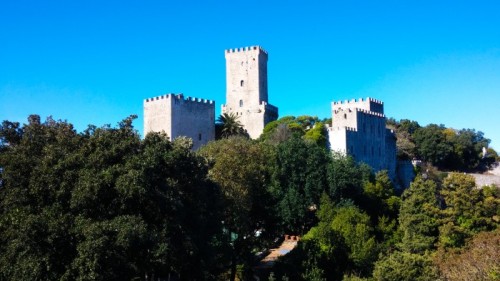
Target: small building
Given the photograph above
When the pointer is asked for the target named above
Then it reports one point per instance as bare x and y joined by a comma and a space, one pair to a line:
178, 116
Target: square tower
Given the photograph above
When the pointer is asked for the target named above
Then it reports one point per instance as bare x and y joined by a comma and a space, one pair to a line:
178, 116
358, 129
246, 89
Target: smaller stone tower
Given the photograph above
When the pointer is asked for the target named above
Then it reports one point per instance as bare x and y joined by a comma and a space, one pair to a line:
246, 89
358, 129
178, 116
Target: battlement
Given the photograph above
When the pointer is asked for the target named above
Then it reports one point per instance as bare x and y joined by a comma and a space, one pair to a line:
370, 112
360, 100
246, 49
336, 111
368, 104
179, 96
334, 128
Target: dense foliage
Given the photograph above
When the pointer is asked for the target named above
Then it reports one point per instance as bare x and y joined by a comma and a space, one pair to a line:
446, 148
105, 205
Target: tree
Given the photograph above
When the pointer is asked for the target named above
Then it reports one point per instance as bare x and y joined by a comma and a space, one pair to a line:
355, 228
382, 200
479, 260
240, 168
345, 178
317, 134
382, 205
308, 127
432, 145
464, 213
404, 266
35, 228
418, 217
342, 241
299, 179
104, 205
321, 253
468, 145
228, 125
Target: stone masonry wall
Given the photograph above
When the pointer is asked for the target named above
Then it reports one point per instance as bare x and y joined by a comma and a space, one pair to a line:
179, 116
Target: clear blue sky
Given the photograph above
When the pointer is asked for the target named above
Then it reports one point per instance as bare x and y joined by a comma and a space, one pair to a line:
93, 62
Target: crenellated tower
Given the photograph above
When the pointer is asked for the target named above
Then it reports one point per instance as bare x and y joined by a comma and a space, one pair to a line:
178, 116
358, 129
246, 89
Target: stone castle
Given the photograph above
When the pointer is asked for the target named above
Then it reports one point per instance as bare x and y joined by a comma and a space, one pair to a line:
358, 127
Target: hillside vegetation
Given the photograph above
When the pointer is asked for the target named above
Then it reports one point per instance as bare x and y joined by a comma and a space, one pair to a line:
105, 204
446, 148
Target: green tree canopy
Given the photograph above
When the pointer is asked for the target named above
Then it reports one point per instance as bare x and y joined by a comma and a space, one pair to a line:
228, 125
419, 216
299, 179
240, 168
103, 205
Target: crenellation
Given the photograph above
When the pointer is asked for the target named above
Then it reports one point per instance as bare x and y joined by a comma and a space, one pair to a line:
180, 97
360, 100
245, 49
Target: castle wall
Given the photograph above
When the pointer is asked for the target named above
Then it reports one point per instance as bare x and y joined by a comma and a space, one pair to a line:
391, 153
337, 137
179, 116
157, 115
405, 173
246, 89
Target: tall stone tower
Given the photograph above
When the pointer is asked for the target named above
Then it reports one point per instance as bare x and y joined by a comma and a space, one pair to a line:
246, 89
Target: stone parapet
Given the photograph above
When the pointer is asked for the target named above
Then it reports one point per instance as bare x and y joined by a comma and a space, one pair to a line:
179, 97
246, 49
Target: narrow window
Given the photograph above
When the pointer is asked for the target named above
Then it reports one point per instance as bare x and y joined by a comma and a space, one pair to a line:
242, 83
199, 136
241, 103
345, 116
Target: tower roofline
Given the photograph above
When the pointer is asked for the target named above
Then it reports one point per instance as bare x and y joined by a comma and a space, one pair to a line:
179, 96
245, 49
353, 101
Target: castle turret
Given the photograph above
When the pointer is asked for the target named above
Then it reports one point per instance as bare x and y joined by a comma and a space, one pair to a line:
246, 89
